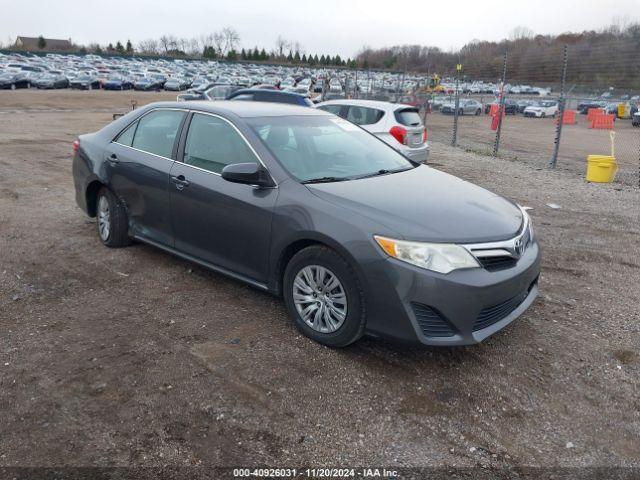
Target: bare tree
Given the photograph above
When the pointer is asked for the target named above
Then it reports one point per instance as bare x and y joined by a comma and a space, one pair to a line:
149, 47
281, 46
231, 39
218, 43
520, 32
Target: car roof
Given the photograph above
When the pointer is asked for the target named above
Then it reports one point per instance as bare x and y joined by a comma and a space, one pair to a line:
242, 109
269, 92
379, 104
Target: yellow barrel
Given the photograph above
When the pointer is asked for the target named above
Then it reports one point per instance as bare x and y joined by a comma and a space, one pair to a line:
601, 168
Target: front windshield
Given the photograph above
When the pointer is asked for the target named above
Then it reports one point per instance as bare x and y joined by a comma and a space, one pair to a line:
329, 148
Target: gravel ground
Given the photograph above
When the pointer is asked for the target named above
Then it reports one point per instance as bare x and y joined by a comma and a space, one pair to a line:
133, 357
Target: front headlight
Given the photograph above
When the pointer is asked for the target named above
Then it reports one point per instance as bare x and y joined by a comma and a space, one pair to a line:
438, 257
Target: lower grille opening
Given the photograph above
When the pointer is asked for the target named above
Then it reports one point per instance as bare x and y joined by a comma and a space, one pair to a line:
494, 314
431, 322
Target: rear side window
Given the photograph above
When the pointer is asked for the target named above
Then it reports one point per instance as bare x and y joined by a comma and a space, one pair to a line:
408, 117
212, 144
156, 132
126, 137
364, 115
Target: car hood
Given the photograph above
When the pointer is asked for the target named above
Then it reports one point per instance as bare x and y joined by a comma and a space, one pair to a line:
425, 204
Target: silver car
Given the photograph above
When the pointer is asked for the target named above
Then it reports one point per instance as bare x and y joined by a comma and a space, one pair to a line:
397, 124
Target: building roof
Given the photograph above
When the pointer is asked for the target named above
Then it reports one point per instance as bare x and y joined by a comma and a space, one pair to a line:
31, 43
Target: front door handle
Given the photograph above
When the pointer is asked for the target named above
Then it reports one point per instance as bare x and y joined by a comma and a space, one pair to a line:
113, 158
180, 181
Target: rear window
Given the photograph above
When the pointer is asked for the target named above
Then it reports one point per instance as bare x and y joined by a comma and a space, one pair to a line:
408, 117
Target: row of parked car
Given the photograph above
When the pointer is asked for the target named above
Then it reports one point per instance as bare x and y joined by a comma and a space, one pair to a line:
21, 70
471, 106
538, 108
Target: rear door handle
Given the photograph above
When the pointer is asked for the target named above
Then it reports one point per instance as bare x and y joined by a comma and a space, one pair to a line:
180, 181
113, 158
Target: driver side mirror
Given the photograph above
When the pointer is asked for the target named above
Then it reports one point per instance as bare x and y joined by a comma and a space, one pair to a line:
247, 173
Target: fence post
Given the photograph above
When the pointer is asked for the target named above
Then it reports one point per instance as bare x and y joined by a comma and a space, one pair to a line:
561, 105
454, 140
496, 144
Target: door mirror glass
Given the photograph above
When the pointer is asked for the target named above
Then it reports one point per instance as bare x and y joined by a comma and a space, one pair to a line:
247, 173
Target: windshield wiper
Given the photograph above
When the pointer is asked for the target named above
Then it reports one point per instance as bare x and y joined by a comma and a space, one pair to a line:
326, 180
382, 172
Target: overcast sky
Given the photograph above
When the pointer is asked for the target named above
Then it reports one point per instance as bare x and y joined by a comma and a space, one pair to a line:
322, 26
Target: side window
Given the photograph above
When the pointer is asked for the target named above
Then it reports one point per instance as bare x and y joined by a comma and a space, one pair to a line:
364, 116
126, 137
212, 144
156, 132
335, 109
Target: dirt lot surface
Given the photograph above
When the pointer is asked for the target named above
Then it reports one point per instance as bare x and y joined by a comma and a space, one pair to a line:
531, 140
134, 357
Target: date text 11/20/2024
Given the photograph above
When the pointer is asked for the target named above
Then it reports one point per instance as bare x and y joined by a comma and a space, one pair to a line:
314, 473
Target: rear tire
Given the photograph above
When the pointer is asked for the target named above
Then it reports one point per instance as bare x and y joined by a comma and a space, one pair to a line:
342, 328
111, 216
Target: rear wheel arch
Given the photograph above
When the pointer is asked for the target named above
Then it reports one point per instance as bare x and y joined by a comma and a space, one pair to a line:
91, 196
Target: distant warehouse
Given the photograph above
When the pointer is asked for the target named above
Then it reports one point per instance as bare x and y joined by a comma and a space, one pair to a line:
41, 43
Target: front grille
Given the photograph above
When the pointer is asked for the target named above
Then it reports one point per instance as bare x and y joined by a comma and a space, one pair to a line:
431, 322
491, 315
494, 264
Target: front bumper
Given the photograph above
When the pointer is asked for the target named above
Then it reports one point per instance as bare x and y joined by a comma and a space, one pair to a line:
461, 308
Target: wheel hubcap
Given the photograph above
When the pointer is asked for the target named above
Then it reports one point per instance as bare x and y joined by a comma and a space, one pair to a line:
104, 218
320, 298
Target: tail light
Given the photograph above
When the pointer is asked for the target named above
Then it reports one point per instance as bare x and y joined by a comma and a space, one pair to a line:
76, 146
399, 133
425, 136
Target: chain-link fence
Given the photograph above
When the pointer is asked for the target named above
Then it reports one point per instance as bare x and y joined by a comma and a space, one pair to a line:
540, 110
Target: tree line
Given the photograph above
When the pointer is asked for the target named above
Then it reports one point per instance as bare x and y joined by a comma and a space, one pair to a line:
608, 57
222, 45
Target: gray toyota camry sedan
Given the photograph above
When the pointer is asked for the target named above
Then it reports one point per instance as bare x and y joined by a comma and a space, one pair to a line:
357, 238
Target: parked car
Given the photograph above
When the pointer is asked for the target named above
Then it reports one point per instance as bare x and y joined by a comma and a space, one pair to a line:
265, 95
510, 106
542, 109
297, 202
85, 82
177, 84
522, 104
466, 106
398, 125
635, 119
51, 81
117, 82
583, 107
216, 92
12, 81
149, 83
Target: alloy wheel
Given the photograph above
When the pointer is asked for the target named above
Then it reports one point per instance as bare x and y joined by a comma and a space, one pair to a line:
320, 298
104, 218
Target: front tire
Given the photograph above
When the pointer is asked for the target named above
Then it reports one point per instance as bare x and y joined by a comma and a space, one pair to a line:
112, 220
324, 297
